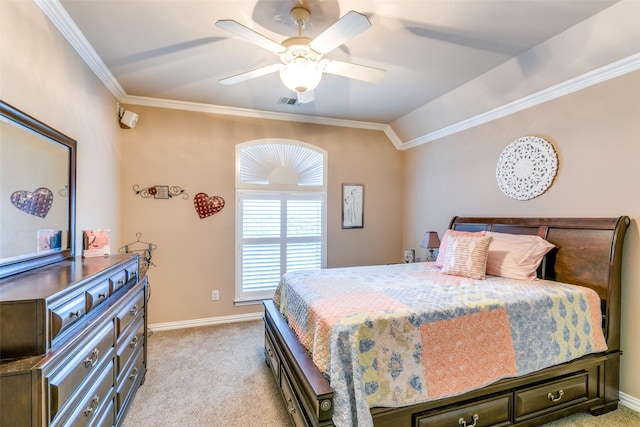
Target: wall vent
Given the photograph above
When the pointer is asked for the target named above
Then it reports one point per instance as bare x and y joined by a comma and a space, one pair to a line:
287, 101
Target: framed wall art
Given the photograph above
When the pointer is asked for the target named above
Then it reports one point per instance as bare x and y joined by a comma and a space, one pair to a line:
352, 206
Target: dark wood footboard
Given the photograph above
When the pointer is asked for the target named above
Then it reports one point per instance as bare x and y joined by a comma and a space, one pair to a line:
589, 253
307, 392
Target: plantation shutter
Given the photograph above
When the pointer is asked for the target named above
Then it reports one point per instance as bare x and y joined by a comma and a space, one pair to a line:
280, 232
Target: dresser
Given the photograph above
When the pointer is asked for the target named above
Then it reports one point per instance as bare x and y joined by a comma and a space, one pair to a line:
72, 342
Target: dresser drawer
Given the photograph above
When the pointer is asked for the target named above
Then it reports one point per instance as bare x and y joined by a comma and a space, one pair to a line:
97, 295
548, 396
293, 407
68, 377
66, 314
132, 272
490, 412
91, 404
272, 357
128, 346
129, 380
132, 308
106, 418
118, 280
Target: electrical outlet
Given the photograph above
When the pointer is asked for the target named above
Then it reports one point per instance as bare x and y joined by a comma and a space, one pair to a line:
215, 295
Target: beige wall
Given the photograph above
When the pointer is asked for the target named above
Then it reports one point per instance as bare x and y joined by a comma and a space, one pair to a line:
43, 76
196, 151
595, 133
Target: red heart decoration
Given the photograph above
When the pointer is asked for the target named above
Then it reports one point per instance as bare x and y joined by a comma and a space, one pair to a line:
35, 203
207, 206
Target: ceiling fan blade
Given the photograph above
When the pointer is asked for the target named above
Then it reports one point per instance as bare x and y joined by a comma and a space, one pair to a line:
251, 74
347, 27
249, 35
306, 96
353, 71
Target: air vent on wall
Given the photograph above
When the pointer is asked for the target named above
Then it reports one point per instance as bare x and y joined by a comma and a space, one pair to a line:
287, 101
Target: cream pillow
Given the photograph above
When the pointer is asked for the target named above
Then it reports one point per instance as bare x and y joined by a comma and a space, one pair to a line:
516, 256
445, 240
466, 256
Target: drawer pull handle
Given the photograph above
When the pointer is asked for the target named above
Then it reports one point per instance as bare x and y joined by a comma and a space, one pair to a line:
134, 274
463, 423
91, 409
102, 295
75, 314
557, 397
292, 409
325, 405
90, 361
134, 374
134, 310
134, 342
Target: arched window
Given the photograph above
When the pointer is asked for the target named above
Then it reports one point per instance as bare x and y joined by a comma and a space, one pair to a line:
280, 215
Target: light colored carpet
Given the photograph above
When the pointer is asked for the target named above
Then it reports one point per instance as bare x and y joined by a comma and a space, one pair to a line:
208, 376
215, 376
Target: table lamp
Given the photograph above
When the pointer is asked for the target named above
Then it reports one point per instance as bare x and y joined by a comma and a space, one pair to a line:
430, 242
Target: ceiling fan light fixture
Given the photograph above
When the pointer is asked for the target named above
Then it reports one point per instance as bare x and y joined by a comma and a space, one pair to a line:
301, 75
302, 57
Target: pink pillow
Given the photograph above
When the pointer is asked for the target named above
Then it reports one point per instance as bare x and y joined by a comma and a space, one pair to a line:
445, 239
516, 256
467, 256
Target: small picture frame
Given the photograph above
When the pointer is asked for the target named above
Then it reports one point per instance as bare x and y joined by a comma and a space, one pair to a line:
409, 256
161, 192
352, 206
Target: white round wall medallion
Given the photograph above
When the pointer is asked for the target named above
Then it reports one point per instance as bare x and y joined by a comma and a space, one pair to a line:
526, 168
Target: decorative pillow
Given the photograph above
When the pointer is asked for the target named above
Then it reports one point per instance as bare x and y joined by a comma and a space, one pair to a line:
445, 239
467, 256
516, 256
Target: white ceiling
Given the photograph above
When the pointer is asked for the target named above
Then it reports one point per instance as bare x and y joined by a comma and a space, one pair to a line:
172, 50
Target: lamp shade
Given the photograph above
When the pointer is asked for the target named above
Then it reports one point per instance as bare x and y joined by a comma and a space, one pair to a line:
430, 241
300, 75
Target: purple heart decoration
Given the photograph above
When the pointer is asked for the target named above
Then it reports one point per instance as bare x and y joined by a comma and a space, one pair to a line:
35, 203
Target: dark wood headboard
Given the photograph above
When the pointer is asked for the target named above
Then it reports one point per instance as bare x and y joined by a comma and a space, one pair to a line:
588, 253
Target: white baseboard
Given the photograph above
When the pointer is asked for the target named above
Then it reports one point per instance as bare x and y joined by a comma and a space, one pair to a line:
630, 402
205, 322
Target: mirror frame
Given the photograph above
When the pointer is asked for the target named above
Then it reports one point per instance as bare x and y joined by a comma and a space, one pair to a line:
31, 261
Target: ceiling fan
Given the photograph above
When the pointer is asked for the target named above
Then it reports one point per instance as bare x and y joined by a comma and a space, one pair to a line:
302, 58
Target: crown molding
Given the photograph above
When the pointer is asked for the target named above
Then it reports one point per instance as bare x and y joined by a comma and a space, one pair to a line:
248, 112
63, 22
599, 75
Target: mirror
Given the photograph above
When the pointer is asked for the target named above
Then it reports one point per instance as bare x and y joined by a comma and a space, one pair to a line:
37, 190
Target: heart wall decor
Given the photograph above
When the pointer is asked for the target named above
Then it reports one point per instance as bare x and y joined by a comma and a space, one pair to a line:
35, 203
207, 206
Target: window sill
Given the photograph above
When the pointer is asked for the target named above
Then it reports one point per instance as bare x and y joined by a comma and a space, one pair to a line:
250, 302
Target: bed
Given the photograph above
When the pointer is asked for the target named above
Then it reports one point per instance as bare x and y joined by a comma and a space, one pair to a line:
587, 252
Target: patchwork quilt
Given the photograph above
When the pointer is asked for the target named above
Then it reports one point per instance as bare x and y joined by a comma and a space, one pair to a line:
395, 335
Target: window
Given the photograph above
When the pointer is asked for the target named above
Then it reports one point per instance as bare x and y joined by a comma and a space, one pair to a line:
281, 214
